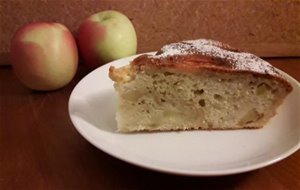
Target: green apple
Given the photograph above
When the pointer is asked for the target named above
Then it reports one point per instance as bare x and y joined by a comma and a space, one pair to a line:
106, 36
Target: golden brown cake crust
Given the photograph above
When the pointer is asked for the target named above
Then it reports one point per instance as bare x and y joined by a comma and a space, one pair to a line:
194, 56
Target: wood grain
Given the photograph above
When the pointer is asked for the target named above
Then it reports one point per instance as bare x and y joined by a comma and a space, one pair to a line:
40, 149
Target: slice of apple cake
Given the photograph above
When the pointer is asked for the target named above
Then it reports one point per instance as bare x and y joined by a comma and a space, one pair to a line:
197, 84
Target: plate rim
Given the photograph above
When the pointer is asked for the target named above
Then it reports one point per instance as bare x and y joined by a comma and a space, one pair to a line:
223, 172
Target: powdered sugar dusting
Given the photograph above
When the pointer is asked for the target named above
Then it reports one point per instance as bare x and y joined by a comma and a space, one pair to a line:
237, 60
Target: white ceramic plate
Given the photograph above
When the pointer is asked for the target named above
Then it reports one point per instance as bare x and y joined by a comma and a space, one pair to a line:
199, 153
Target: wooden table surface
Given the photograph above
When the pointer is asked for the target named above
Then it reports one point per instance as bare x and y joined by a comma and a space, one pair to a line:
40, 148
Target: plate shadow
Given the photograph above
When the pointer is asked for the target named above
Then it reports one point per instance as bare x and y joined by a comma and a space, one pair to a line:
98, 109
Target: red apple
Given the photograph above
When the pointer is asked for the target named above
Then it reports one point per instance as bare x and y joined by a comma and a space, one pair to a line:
44, 56
106, 36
